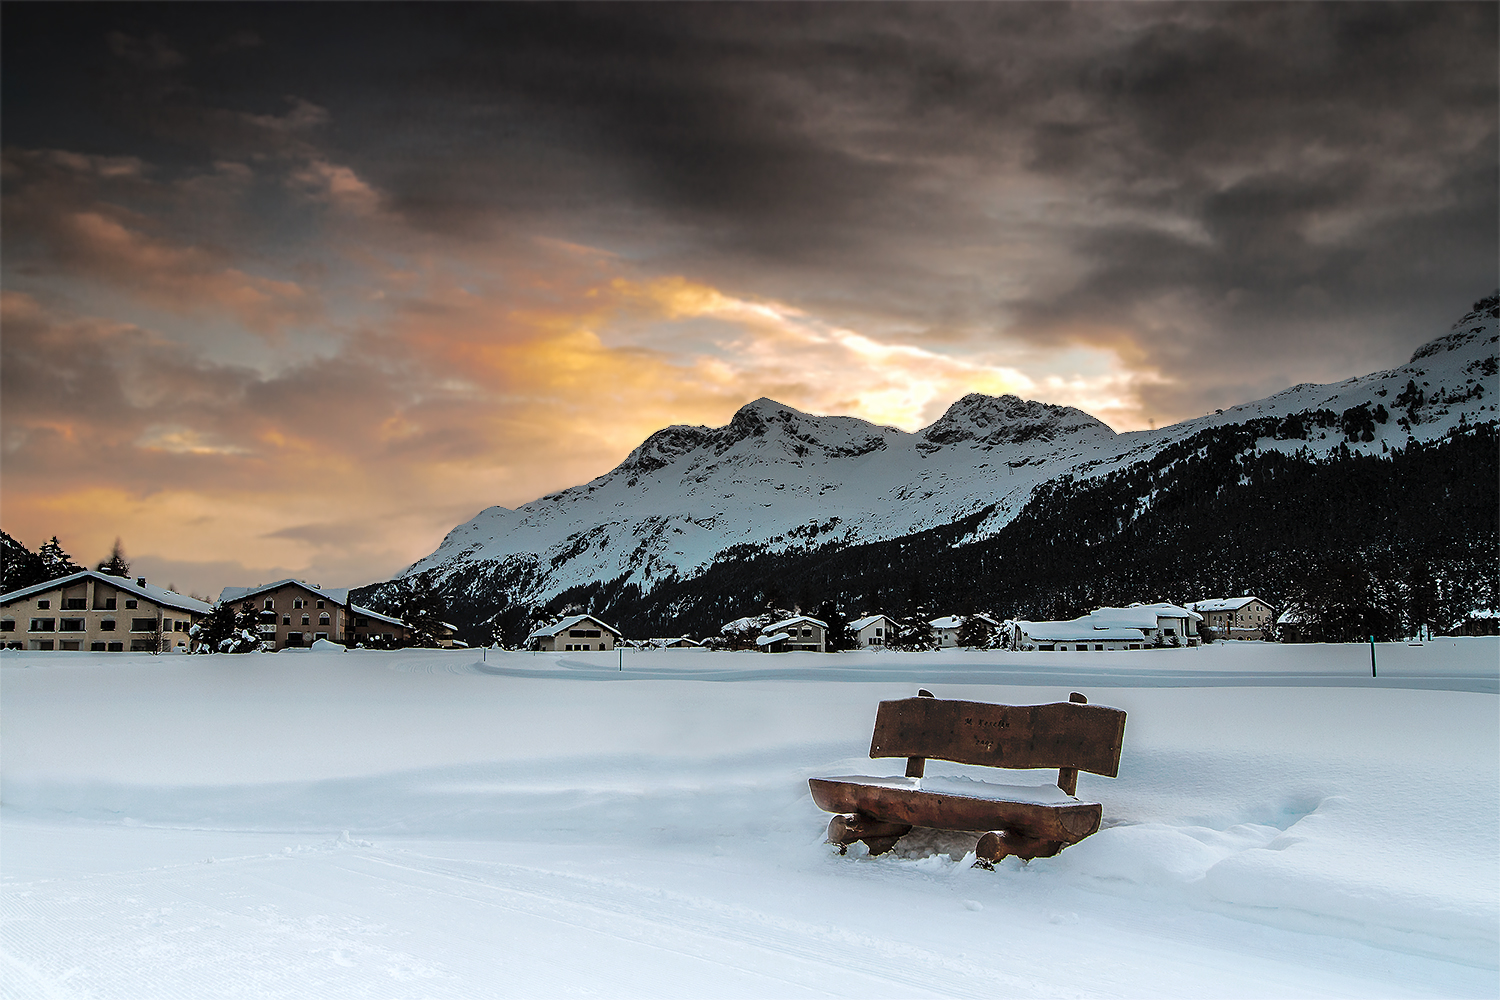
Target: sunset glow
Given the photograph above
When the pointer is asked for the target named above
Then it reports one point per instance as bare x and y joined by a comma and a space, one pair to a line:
265, 315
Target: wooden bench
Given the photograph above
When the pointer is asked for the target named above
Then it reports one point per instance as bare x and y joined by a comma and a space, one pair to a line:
1027, 821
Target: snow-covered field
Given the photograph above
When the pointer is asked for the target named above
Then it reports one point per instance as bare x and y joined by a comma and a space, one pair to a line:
434, 824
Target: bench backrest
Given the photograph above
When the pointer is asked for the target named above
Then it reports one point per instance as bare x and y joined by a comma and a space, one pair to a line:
1065, 735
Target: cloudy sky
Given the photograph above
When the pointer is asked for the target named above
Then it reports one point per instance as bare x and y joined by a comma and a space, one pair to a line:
292, 290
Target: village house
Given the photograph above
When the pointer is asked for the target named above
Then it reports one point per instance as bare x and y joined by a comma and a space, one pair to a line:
945, 630
678, 642
575, 633
1235, 617
1078, 635
1173, 625
799, 634
1136, 627
293, 614
871, 631
90, 611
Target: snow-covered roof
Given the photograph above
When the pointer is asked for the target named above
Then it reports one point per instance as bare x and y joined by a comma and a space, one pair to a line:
766, 640
957, 621
356, 609
1079, 630
572, 621
668, 642
1224, 603
159, 595
865, 622
338, 595
1141, 615
800, 619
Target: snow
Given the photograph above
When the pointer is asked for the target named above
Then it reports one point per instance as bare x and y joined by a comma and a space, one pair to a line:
777, 479
459, 823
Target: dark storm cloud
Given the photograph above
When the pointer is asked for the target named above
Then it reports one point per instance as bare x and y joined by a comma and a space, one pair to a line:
1193, 179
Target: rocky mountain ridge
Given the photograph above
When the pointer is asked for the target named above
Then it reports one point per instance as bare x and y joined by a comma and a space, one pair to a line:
777, 480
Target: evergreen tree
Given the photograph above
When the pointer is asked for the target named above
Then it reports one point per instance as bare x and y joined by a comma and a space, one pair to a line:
839, 636
56, 562
975, 633
912, 634
19, 566
116, 564
422, 610
227, 629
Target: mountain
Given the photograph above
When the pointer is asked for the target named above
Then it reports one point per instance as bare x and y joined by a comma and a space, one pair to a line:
779, 487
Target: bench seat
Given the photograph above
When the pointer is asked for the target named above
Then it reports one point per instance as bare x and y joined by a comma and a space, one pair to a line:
1038, 812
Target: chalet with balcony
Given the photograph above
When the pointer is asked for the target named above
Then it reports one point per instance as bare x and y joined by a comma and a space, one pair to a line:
90, 611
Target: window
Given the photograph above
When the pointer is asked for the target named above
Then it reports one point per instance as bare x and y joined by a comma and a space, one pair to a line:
45, 644
323, 618
117, 647
320, 604
72, 625
7, 625
44, 625
108, 605
270, 605
1046, 649
75, 604
298, 602
43, 605
179, 626
107, 625
806, 633
286, 619
96, 647
584, 633
1098, 648
307, 619
361, 622
130, 605
321, 635
143, 645
70, 646
1082, 647
142, 625
294, 638
880, 631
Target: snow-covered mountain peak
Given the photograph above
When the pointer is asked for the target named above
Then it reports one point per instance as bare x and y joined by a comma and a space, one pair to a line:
989, 421
1478, 325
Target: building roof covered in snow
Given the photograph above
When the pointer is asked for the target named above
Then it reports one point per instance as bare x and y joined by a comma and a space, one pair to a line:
957, 621
1225, 603
1083, 629
338, 595
572, 621
788, 623
867, 621
158, 595
1140, 615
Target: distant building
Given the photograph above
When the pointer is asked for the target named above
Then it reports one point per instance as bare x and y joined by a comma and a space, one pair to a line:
293, 614
871, 631
799, 634
575, 633
945, 630
678, 642
90, 611
1136, 627
1236, 617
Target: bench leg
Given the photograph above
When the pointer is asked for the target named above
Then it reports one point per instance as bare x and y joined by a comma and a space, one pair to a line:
997, 844
878, 836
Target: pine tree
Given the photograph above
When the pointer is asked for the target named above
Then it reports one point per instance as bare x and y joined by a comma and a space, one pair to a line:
422, 611
839, 636
227, 629
56, 562
975, 633
116, 564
